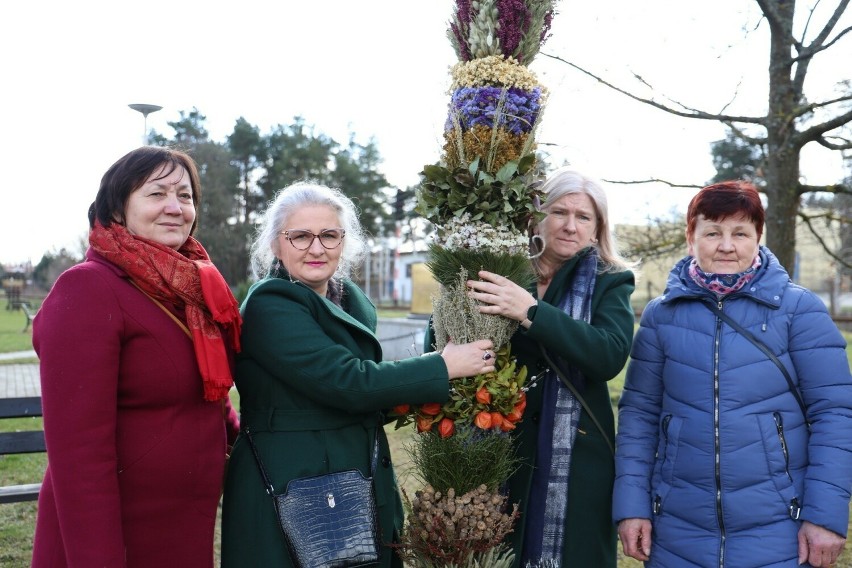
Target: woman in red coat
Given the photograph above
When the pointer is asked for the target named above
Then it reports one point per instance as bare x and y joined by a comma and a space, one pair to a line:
136, 347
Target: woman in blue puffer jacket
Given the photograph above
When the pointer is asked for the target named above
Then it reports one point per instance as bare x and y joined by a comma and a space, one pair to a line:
720, 462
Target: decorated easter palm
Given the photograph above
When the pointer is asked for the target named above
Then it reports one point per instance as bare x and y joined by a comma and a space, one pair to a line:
481, 198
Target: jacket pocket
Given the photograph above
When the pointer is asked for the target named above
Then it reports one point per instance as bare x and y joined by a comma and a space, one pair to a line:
666, 462
777, 452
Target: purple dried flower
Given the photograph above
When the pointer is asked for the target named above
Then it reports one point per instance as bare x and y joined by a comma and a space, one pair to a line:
463, 12
462, 49
545, 28
514, 20
479, 105
460, 29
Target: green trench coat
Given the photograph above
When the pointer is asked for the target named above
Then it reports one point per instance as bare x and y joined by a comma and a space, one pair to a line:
600, 351
312, 386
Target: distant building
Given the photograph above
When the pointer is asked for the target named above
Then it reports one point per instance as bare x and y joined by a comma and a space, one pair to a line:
402, 279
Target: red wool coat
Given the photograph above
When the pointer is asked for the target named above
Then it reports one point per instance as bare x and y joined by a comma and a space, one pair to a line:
135, 454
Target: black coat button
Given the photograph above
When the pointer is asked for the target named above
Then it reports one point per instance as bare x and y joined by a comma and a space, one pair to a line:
386, 461
535, 418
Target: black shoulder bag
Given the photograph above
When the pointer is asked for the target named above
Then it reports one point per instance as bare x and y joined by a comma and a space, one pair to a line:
328, 521
766, 351
579, 397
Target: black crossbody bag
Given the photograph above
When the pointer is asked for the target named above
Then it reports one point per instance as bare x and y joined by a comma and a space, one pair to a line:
766, 351
328, 521
579, 398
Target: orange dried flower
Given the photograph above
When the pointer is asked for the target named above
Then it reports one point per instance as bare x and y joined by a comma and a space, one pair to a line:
431, 408
515, 415
483, 396
424, 423
446, 428
483, 420
506, 425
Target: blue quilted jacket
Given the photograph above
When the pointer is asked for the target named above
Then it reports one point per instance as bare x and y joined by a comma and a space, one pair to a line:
712, 445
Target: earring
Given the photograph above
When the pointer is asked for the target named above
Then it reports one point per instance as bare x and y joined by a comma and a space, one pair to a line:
536, 246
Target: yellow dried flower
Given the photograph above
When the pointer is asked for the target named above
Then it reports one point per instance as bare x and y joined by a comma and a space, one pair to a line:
494, 70
499, 145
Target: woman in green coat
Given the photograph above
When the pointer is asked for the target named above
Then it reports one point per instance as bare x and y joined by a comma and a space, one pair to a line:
579, 314
310, 376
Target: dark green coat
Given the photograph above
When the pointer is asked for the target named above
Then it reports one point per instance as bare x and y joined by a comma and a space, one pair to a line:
599, 351
311, 385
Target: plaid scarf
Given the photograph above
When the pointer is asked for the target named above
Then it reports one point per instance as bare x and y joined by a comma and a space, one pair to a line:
560, 415
183, 277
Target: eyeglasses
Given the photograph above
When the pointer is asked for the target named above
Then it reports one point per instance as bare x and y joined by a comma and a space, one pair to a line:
302, 239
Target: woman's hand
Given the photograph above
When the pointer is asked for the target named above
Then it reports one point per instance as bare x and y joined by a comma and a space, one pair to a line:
500, 296
469, 359
819, 546
635, 536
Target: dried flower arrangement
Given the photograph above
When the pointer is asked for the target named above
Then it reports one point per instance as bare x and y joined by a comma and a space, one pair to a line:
481, 198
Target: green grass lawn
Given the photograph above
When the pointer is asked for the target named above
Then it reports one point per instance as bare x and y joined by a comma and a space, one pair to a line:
17, 521
12, 336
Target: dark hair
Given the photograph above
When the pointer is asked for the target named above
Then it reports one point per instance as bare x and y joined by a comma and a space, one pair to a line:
131, 172
726, 199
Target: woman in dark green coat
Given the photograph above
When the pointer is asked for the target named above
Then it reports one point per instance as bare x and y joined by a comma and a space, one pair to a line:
311, 380
579, 313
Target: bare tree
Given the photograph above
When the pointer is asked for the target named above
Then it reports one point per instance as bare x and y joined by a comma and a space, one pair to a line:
791, 121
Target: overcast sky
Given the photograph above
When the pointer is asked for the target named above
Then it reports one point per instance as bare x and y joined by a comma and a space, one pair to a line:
378, 68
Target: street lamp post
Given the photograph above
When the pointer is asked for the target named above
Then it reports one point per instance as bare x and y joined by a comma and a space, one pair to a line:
145, 109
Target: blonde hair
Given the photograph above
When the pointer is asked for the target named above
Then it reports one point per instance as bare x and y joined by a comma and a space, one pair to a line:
566, 181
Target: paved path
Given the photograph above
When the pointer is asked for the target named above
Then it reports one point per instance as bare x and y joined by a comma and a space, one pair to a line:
400, 337
19, 379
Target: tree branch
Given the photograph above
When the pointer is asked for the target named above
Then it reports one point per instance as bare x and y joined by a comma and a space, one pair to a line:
809, 108
818, 44
807, 219
835, 188
657, 238
814, 106
846, 145
745, 137
692, 113
806, 54
813, 133
653, 180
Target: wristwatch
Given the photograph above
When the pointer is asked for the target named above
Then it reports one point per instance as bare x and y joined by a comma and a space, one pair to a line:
530, 315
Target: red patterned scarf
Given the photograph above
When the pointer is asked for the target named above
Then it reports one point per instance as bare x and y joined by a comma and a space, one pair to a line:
183, 277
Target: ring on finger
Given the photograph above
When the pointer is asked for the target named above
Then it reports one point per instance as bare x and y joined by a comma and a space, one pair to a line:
486, 356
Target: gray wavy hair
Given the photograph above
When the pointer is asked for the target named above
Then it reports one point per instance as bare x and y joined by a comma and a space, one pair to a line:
264, 249
566, 181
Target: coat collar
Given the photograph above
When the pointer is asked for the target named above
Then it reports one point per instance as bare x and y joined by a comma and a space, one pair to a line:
556, 288
766, 288
360, 313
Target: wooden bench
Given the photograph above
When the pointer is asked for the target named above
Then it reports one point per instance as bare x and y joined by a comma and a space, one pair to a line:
26, 442
30, 313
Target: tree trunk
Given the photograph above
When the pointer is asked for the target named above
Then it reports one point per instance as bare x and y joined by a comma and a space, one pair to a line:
782, 171
782, 207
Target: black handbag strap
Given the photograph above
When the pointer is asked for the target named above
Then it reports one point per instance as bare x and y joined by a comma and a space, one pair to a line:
766, 351
579, 397
268, 483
